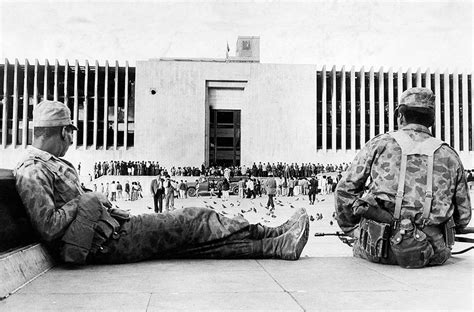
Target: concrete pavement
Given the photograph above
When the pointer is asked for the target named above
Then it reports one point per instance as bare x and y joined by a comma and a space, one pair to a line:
325, 278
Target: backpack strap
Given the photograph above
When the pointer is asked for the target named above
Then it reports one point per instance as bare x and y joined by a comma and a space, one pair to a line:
410, 147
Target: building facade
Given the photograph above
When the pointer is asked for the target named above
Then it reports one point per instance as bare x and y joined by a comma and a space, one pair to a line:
225, 111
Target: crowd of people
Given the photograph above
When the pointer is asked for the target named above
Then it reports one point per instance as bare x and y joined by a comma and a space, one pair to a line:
116, 191
153, 168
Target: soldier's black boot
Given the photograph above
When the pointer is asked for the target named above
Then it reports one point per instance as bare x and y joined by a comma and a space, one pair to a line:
289, 245
260, 231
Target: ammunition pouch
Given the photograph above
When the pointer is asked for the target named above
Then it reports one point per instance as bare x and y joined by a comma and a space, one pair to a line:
449, 229
410, 246
374, 237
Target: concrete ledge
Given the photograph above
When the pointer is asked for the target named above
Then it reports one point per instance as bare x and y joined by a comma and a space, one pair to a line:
21, 266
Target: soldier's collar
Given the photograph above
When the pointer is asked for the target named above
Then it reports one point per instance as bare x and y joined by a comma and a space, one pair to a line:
416, 127
36, 152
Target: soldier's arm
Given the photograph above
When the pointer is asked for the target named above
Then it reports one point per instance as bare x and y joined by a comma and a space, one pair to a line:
461, 201
351, 187
35, 188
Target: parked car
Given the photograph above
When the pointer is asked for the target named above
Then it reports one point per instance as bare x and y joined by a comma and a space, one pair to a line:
206, 182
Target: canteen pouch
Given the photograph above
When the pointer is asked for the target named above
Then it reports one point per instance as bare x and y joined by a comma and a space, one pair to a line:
374, 237
411, 247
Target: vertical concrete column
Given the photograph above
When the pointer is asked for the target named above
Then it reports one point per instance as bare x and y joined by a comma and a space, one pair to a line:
362, 107
116, 105
106, 103
381, 102
472, 111
317, 108
399, 85
66, 76
15, 105
35, 83
86, 104
456, 130
353, 110
371, 104
343, 109
465, 114
24, 129
125, 122
76, 101
56, 69
418, 78
437, 91
391, 117
96, 105
5, 105
428, 79
333, 109
447, 109
324, 112
409, 78
45, 86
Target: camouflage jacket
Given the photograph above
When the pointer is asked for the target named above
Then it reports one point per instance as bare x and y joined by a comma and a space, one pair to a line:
372, 179
49, 189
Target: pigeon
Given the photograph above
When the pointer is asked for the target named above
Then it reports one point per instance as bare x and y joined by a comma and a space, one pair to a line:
214, 203
296, 199
292, 206
204, 201
148, 207
331, 223
223, 212
266, 221
232, 204
273, 216
311, 218
240, 215
261, 205
223, 206
243, 211
254, 210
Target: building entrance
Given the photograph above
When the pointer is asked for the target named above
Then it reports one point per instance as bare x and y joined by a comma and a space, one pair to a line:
224, 136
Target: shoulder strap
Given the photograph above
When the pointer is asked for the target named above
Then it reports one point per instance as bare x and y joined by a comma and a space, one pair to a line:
410, 147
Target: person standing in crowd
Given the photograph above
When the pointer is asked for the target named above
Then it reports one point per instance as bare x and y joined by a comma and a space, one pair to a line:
406, 183
197, 186
157, 190
212, 187
225, 189
182, 190
119, 191
107, 190
113, 191
127, 190
242, 184
271, 189
313, 189
169, 194
291, 186
250, 188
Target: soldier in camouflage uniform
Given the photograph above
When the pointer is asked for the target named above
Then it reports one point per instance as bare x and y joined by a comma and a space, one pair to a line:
369, 187
55, 201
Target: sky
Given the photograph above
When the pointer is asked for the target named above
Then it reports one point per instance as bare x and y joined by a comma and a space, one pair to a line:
398, 34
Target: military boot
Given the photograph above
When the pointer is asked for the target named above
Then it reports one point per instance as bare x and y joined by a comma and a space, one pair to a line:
289, 245
261, 231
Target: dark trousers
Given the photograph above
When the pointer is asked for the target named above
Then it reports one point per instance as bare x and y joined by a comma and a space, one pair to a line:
270, 201
183, 233
290, 191
312, 196
158, 201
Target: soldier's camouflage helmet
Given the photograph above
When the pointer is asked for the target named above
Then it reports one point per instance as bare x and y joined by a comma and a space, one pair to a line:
418, 98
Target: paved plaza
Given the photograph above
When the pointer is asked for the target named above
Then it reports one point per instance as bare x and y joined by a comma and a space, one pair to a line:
326, 277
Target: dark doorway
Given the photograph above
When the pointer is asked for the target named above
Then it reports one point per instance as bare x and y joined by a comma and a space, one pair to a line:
224, 137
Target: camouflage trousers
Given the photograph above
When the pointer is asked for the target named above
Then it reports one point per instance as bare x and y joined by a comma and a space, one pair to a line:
182, 233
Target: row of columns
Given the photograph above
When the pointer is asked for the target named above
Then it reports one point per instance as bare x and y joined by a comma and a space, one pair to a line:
463, 99
75, 113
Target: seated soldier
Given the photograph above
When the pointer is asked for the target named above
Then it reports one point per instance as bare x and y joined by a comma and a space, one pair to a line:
82, 227
405, 192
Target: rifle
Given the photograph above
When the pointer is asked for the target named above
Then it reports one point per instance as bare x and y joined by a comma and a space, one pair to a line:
349, 240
